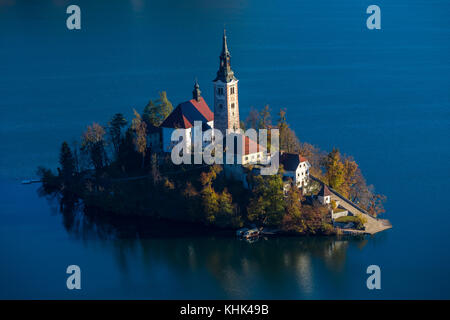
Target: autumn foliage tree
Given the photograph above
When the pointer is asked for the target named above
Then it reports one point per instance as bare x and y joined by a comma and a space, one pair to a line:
288, 139
335, 173
350, 177
267, 204
140, 138
252, 120
93, 143
265, 119
228, 215
376, 206
210, 199
293, 219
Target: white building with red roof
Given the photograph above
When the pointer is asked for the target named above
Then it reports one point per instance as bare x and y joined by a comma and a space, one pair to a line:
184, 117
244, 150
324, 195
296, 167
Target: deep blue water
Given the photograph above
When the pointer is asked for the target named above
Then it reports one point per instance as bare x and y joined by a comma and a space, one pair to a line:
381, 96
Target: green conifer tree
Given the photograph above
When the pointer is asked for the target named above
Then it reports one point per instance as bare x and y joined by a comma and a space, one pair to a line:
67, 162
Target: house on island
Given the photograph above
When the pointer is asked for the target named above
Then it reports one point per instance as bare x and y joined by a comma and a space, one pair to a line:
296, 167
245, 151
324, 195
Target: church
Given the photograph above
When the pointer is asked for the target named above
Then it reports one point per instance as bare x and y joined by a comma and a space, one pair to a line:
225, 116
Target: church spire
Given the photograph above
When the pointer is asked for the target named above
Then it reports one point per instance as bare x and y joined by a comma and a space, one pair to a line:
225, 74
224, 44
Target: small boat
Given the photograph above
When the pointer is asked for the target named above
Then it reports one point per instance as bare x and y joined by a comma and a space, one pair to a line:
241, 232
250, 234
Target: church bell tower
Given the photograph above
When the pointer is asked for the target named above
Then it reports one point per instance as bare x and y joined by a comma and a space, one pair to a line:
226, 104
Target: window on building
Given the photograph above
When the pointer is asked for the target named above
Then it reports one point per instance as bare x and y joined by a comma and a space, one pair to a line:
232, 106
220, 91
232, 90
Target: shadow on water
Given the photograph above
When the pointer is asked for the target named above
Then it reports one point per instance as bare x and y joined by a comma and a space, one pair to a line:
268, 268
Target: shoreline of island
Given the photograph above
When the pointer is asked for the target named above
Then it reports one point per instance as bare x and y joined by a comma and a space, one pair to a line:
144, 168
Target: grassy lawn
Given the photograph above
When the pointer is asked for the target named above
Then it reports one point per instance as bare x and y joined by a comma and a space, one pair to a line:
359, 223
347, 219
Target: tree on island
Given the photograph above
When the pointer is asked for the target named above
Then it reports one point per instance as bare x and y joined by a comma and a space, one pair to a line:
267, 204
67, 162
293, 220
115, 131
228, 215
128, 159
288, 139
350, 176
375, 206
150, 114
218, 208
265, 119
252, 120
335, 173
155, 113
140, 132
93, 143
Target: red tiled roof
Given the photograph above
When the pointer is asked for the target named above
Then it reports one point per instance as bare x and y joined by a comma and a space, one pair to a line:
290, 161
324, 191
187, 112
250, 146
203, 108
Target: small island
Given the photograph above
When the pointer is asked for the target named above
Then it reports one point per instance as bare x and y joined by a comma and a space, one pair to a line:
125, 170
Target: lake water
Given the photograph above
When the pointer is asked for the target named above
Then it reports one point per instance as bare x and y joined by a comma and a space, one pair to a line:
381, 96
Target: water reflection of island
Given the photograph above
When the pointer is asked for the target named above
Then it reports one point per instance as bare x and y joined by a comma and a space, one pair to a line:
186, 251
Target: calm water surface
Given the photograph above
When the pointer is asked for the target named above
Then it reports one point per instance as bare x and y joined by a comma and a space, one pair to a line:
381, 96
